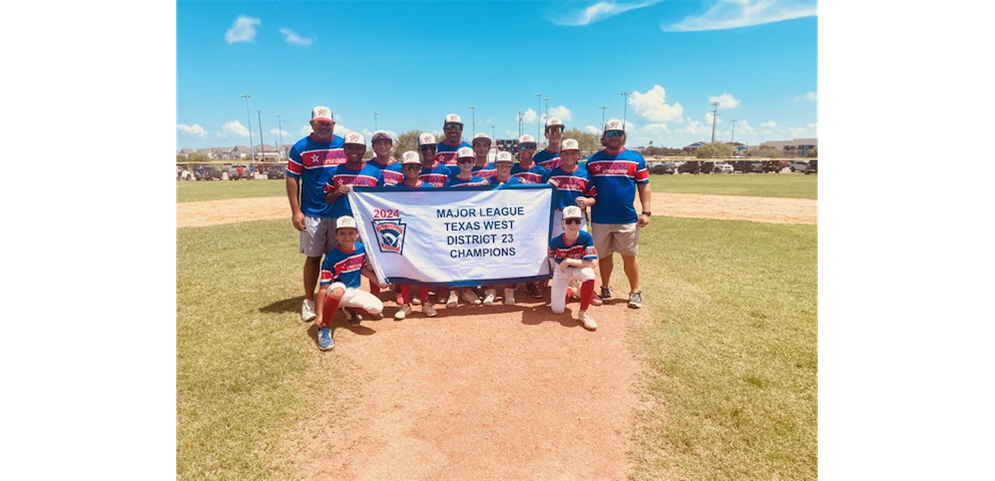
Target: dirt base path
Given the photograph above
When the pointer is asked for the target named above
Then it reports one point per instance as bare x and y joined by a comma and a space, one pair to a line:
484, 393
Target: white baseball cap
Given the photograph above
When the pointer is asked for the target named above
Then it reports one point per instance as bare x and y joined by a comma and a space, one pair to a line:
381, 135
554, 121
348, 221
572, 212
453, 119
526, 138
464, 152
410, 157
504, 157
355, 138
569, 144
613, 124
481, 136
426, 138
322, 113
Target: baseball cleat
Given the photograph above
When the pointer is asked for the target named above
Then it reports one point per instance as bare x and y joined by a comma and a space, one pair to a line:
509, 296
453, 300
429, 310
308, 313
588, 321
489, 297
533, 290
402, 312
470, 297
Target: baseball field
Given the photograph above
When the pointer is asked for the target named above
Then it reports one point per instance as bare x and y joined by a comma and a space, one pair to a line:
715, 378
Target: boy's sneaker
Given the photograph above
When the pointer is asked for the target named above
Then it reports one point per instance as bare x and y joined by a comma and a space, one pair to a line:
378, 316
453, 300
416, 302
588, 321
533, 290
636, 299
402, 312
471, 297
429, 310
489, 297
606, 293
352, 317
509, 296
325, 341
308, 313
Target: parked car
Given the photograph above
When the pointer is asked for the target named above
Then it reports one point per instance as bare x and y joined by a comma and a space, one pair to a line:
276, 172
664, 168
722, 168
813, 167
208, 173
798, 166
690, 167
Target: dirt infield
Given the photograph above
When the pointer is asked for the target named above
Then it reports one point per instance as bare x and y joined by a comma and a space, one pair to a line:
498, 392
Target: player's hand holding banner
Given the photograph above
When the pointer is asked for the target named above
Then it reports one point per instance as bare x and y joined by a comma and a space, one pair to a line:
456, 237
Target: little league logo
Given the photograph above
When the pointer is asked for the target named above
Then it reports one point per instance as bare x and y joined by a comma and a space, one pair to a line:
390, 234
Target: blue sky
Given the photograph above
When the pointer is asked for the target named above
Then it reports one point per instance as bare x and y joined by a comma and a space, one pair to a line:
415, 62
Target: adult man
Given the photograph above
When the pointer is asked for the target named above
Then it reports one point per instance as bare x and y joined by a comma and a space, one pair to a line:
481, 148
616, 174
353, 172
383, 145
309, 167
549, 158
452, 128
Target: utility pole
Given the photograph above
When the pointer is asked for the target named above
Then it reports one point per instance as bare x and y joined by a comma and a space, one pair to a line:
603, 107
715, 115
249, 117
538, 108
375, 126
520, 114
473, 108
279, 123
733, 132
625, 105
261, 144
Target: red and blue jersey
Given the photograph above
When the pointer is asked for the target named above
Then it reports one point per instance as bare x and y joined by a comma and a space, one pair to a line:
569, 186
582, 248
423, 185
445, 154
473, 181
313, 162
532, 175
391, 172
365, 176
344, 267
511, 181
548, 160
615, 178
438, 176
486, 171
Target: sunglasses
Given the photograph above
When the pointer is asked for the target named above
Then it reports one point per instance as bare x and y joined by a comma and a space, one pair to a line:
571, 221
465, 160
411, 166
614, 133
453, 127
527, 147
428, 147
554, 130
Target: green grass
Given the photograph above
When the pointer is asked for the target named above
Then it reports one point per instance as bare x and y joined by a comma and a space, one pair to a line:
732, 349
195, 191
754, 185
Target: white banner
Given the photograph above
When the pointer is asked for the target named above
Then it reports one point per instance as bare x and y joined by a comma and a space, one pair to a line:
463, 236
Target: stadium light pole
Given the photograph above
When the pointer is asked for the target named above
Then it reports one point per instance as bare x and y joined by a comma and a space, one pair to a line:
733, 132
473, 109
715, 115
249, 117
625, 106
538, 108
261, 145
520, 114
279, 126
375, 126
603, 107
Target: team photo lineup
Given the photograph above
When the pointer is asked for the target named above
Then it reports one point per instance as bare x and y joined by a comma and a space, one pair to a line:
592, 204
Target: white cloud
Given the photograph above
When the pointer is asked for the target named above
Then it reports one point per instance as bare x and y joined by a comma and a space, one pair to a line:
305, 130
234, 129
695, 127
292, 38
770, 124
243, 30
808, 96
528, 117
653, 106
728, 14
708, 118
562, 112
277, 133
592, 129
726, 101
594, 12
194, 130
656, 129
744, 127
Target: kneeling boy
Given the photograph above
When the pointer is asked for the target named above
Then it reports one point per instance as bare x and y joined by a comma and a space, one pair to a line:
575, 258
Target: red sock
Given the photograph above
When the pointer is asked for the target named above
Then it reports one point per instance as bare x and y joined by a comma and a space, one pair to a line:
403, 294
423, 294
331, 305
586, 292
375, 289
570, 292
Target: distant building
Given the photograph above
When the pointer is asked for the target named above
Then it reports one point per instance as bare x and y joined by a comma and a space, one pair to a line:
792, 148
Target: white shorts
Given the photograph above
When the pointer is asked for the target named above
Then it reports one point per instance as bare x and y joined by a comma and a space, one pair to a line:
611, 238
561, 280
318, 236
356, 298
